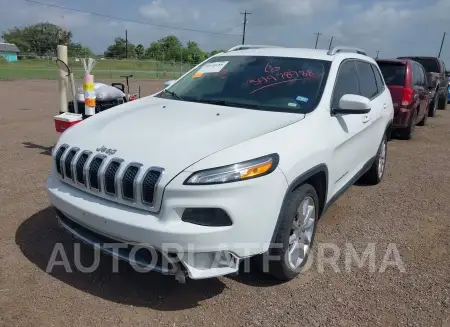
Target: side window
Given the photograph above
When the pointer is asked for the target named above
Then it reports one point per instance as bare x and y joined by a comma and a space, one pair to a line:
416, 76
425, 77
378, 79
418, 80
367, 84
346, 82
421, 75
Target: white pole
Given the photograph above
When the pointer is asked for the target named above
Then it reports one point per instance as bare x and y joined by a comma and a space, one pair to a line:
63, 80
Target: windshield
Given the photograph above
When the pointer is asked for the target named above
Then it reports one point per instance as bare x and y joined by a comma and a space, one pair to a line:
393, 73
255, 82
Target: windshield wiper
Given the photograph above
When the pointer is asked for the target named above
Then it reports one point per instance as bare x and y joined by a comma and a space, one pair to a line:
174, 95
229, 103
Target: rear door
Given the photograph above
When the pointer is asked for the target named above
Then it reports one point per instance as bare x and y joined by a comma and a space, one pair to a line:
417, 95
422, 89
443, 78
388, 107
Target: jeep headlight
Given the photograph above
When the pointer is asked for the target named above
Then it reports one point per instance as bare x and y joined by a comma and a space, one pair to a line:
232, 173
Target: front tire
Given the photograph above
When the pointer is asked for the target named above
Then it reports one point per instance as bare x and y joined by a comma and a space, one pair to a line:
376, 172
295, 234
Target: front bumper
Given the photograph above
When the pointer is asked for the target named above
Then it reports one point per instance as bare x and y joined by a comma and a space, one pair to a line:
252, 205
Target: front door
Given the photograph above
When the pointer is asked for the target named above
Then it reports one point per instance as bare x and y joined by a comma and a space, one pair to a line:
374, 126
349, 132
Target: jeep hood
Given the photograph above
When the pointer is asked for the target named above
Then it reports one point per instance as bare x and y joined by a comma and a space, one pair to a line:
172, 134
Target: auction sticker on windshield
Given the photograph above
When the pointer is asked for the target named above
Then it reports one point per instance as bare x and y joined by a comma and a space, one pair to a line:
212, 67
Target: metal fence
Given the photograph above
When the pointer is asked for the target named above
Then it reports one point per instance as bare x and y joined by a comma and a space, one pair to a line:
32, 67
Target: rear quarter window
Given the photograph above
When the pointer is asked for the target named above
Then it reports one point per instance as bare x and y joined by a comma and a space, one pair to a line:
367, 84
378, 78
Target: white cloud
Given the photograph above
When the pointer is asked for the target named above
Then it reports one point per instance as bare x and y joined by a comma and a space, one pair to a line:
26, 13
391, 25
284, 12
154, 10
196, 14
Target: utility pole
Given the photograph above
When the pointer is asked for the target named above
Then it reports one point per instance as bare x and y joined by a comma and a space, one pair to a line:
317, 39
378, 51
245, 13
442, 43
331, 42
181, 62
126, 44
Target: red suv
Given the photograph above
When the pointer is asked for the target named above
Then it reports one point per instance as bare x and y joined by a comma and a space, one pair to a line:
407, 81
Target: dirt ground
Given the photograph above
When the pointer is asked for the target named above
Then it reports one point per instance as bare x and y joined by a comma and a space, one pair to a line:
410, 208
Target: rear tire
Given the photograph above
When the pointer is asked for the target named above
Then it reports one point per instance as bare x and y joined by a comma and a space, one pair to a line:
424, 120
407, 132
442, 104
432, 107
376, 172
300, 211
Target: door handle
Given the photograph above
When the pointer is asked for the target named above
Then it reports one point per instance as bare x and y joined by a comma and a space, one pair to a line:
366, 118
385, 106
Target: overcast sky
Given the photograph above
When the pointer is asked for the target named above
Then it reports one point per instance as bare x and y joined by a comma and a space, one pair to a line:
394, 27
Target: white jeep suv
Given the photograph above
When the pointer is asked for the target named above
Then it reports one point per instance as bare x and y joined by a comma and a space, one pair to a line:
237, 158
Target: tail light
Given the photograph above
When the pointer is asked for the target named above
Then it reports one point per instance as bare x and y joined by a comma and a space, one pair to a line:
407, 98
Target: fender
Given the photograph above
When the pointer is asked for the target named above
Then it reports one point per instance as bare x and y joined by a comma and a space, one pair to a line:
321, 168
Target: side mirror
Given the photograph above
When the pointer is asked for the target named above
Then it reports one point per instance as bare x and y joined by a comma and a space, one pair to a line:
352, 104
169, 83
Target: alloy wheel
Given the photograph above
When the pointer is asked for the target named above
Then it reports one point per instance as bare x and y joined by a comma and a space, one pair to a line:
301, 233
382, 159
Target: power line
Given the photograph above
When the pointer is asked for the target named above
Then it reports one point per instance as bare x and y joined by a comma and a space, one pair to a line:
128, 20
245, 24
231, 28
442, 43
317, 39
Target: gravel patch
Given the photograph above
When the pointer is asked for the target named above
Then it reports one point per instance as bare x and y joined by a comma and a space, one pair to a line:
410, 209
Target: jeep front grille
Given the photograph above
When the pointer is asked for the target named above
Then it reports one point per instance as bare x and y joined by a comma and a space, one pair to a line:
110, 177
79, 168
58, 156
68, 162
94, 177
150, 179
128, 182
113, 179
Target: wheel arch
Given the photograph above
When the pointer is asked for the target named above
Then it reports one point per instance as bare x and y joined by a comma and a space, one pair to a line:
389, 130
318, 178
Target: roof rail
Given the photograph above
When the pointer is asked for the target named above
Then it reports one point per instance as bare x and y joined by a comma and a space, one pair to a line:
250, 46
346, 49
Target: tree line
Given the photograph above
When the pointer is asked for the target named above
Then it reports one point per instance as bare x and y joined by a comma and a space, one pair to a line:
42, 39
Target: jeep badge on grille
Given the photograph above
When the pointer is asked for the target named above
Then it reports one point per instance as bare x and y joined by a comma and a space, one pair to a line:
105, 150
